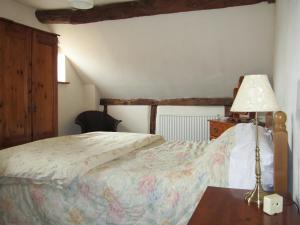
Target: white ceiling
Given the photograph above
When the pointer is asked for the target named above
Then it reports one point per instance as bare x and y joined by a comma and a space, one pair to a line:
59, 4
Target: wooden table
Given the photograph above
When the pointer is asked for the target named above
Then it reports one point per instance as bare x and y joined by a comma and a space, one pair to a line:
225, 206
217, 127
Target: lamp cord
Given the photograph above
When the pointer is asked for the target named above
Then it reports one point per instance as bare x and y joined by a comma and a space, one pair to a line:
292, 202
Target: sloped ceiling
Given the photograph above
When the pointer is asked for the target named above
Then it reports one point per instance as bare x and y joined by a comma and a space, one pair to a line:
193, 54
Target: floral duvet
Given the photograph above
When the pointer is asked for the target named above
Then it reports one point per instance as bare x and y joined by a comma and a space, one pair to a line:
109, 178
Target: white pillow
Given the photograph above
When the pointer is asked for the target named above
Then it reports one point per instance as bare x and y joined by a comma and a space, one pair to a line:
242, 158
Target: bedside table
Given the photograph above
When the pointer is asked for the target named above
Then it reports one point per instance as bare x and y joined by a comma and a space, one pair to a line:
225, 206
217, 127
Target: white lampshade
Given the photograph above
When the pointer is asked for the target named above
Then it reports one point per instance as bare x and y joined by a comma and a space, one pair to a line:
255, 95
82, 4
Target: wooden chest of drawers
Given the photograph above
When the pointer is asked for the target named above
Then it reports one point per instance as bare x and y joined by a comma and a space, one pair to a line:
217, 127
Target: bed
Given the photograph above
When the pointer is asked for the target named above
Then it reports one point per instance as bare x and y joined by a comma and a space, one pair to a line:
120, 178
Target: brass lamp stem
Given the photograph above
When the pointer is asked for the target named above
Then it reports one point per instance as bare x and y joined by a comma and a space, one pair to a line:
257, 194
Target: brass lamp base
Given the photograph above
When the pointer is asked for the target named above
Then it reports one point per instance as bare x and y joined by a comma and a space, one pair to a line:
256, 196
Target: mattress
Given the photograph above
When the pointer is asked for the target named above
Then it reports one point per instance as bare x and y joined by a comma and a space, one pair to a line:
109, 178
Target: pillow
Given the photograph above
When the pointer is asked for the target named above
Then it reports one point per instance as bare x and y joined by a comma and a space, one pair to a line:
242, 158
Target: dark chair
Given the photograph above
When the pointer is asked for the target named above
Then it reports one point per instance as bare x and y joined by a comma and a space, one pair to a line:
90, 121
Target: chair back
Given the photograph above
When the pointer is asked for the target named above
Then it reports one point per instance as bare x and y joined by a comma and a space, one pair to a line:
90, 121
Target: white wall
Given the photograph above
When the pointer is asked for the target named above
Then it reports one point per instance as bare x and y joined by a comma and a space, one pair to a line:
287, 76
135, 118
71, 101
192, 54
72, 98
92, 99
17, 12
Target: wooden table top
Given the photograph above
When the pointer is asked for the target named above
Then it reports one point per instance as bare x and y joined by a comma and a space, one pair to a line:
225, 206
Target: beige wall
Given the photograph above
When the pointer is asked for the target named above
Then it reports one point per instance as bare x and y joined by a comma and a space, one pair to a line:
72, 98
71, 101
135, 118
17, 12
287, 77
193, 54
92, 99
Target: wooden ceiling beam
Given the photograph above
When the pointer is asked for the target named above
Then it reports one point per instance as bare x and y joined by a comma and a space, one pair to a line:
176, 101
126, 10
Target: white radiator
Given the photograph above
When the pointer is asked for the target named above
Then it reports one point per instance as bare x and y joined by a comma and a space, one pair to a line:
184, 127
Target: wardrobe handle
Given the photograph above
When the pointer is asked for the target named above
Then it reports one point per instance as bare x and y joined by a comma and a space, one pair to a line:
34, 108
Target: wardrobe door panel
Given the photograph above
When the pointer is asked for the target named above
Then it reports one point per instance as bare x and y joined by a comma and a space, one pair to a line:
44, 85
15, 75
2, 27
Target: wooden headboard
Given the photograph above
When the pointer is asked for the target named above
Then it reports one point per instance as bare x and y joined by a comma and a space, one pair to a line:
280, 140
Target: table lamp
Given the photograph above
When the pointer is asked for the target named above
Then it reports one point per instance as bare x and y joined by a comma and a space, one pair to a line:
255, 95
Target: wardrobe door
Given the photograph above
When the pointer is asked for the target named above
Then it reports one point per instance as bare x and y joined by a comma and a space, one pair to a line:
15, 88
44, 85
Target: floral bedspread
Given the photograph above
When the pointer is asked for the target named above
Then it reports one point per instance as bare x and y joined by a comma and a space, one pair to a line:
153, 184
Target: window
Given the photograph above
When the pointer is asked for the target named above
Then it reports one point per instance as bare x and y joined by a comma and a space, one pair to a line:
61, 67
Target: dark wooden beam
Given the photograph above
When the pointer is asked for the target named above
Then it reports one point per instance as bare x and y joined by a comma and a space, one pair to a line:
176, 101
126, 10
105, 109
153, 119
197, 101
137, 101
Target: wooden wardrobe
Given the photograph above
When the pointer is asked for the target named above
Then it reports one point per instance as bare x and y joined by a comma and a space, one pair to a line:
28, 84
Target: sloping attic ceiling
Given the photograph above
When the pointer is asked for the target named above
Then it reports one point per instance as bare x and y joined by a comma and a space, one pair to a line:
193, 54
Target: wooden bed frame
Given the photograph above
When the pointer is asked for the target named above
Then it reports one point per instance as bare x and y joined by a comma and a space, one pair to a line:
280, 140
